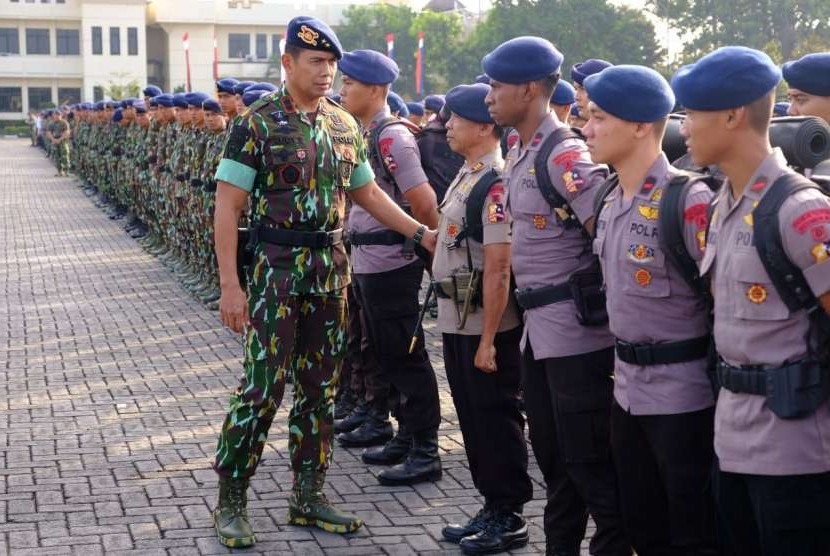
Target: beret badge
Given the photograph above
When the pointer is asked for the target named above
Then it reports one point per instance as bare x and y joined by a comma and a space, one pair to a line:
308, 35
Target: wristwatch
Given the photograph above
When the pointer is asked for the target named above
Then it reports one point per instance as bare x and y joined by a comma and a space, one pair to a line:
419, 234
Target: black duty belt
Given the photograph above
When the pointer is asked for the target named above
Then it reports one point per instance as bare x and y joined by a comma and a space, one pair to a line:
386, 237
295, 238
742, 380
530, 298
663, 354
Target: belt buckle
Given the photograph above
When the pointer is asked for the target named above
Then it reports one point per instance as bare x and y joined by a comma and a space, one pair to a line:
625, 350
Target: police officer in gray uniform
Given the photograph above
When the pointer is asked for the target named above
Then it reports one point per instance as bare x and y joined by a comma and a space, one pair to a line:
772, 422
663, 413
481, 327
389, 273
568, 354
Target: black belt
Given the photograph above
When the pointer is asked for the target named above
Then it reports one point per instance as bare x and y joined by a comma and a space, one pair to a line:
386, 237
746, 380
530, 298
663, 354
294, 238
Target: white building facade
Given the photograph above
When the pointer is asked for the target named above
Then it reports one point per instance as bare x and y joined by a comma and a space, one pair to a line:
62, 51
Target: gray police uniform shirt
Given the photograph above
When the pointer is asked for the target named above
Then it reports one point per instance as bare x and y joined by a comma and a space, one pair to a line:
649, 302
543, 252
754, 327
496, 230
403, 160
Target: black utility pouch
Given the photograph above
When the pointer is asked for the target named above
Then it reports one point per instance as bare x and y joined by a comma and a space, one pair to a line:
795, 391
589, 297
246, 242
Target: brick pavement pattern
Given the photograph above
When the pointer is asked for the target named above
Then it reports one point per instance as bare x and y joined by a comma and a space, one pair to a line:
114, 385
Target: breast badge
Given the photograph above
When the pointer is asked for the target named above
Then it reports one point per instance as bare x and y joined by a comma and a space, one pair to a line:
756, 293
642, 277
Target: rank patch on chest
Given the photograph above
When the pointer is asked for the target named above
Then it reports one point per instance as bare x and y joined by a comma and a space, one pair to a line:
539, 222
642, 277
477, 167
647, 212
756, 293
640, 253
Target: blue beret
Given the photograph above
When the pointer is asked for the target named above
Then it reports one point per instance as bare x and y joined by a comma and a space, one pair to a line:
165, 100
153, 101
252, 95
226, 85
482, 78
240, 87
397, 104
128, 102
196, 98
564, 93
140, 108
262, 86
434, 103
370, 67
810, 74
631, 93
312, 34
180, 100
415, 108
780, 109
110, 104
211, 105
522, 60
589, 67
99, 105
118, 115
467, 101
729, 77
151, 91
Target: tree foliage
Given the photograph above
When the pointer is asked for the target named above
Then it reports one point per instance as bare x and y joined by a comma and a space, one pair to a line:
784, 29
579, 28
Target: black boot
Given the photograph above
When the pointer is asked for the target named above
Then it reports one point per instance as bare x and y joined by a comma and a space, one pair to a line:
454, 532
394, 451
504, 531
354, 419
344, 404
374, 431
422, 464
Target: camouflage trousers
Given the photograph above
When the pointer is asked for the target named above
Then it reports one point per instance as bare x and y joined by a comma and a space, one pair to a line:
62, 156
304, 335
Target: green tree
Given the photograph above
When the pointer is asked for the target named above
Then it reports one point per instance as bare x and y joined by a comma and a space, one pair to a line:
119, 88
579, 28
782, 28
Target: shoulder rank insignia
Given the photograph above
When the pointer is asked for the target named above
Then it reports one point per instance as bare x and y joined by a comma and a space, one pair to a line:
477, 167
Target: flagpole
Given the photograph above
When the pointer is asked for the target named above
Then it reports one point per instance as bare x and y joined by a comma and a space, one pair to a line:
186, 44
215, 58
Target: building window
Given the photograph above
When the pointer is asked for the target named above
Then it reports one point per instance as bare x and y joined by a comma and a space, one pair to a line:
69, 42
69, 95
97, 41
40, 98
9, 40
239, 45
11, 99
261, 46
97, 93
115, 41
275, 44
60, 1
132, 41
37, 41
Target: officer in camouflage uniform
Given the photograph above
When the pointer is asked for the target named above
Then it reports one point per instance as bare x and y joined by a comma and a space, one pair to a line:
297, 154
59, 135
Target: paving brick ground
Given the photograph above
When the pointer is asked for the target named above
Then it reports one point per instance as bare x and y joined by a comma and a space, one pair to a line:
113, 383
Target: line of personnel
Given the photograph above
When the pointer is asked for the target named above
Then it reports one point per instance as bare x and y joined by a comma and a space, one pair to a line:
670, 336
